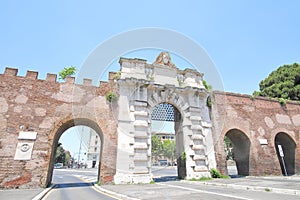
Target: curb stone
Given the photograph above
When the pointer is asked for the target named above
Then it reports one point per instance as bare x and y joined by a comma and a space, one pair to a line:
44, 192
114, 194
247, 187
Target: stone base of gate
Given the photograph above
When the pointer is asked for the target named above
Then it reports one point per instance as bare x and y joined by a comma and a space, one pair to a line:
198, 175
124, 178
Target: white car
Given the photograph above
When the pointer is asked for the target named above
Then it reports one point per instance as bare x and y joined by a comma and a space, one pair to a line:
58, 165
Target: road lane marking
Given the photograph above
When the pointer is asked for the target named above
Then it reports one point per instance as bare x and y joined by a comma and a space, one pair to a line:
203, 191
113, 194
80, 171
86, 178
105, 193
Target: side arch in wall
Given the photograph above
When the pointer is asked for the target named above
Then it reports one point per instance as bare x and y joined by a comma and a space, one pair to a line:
240, 150
288, 145
60, 129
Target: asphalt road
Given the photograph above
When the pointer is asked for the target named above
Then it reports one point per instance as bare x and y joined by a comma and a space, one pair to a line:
78, 183
166, 187
178, 190
162, 174
164, 171
69, 185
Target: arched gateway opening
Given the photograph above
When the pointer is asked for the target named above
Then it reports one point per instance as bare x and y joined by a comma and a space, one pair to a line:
167, 142
83, 122
285, 148
237, 149
162, 92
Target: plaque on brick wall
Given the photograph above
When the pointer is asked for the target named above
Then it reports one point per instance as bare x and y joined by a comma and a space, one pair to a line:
25, 145
263, 141
24, 151
27, 135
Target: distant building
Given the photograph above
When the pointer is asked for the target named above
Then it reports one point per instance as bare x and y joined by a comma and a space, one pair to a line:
161, 159
94, 149
165, 136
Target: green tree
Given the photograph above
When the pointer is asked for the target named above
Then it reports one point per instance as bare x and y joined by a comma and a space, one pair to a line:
282, 83
67, 158
166, 148
67, 71
156, 145
228, 148
169, 149
60, 155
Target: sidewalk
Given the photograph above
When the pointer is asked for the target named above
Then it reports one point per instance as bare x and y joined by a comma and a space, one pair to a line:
17, 194
24, 194
273, 184
276, 184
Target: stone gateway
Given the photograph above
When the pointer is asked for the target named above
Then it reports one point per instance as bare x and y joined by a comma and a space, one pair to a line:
34, 114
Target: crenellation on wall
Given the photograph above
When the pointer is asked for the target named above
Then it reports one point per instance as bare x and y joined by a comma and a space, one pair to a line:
51, 77
10, 71
70, 80
32, 75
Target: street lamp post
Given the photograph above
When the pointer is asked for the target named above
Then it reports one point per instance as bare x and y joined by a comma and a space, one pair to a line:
79, 149
78, 157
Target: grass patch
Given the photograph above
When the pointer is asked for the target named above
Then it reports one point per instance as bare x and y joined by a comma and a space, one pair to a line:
225, 177
267, 190
201, 179
204, 179
152, 182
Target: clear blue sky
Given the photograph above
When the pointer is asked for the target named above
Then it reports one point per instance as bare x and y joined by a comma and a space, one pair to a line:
75, 140
245, 39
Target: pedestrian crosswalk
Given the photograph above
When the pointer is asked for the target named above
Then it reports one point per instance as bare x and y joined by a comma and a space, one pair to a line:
89, 179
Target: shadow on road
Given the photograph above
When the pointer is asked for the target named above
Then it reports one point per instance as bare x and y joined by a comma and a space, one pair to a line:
237, 176
164, 173
165, 179
72, 185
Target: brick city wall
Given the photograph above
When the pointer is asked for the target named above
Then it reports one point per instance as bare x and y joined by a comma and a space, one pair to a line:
260, 119
49, 108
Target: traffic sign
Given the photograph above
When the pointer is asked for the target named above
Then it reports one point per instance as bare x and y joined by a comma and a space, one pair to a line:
280, 151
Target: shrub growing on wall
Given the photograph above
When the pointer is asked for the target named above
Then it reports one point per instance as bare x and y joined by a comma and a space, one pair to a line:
111, 96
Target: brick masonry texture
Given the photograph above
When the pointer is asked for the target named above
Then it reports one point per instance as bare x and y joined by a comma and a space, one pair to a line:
49, 108
257, 118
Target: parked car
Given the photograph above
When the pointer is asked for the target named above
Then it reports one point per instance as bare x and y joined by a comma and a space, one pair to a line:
58, 165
